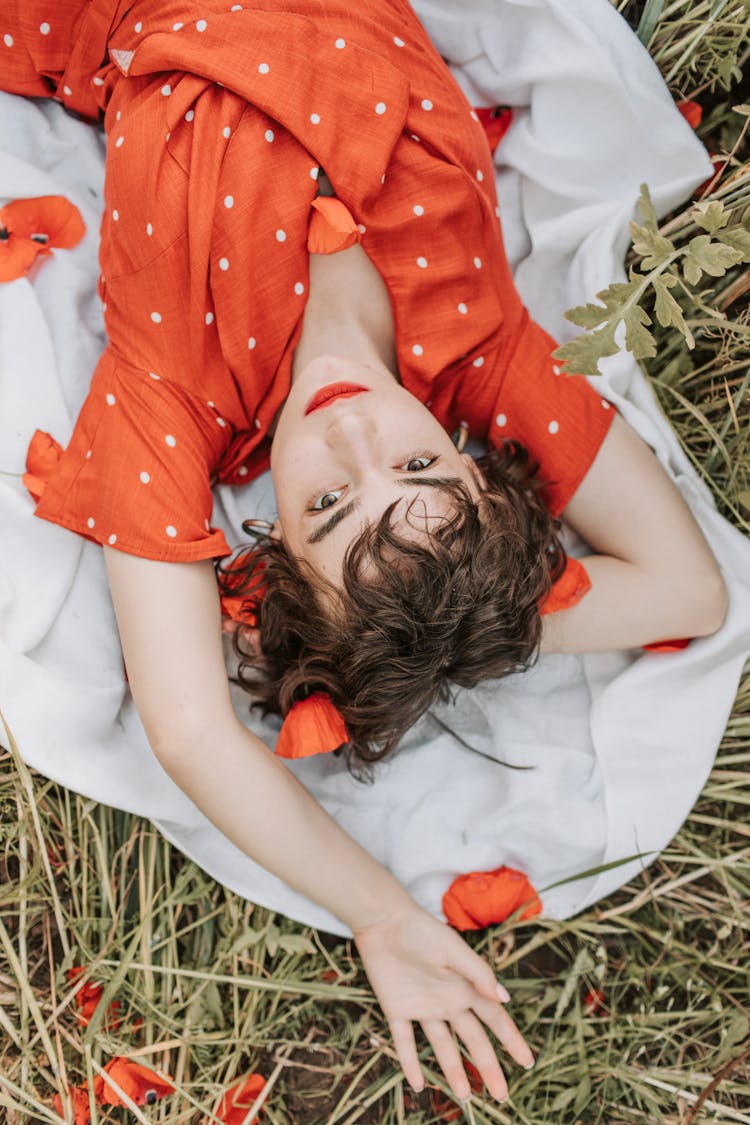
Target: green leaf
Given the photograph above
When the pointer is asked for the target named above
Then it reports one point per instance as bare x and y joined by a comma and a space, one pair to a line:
296, 943
646, 208
668, 312
739, 240
587, 316
581, 356
711, 216
653, 247
708, 257
638, 340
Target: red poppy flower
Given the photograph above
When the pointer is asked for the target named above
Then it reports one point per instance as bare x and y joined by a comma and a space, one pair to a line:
42, 458
79, 1096
231, 605
87, 998
692, 112
481, 898
30, 227
594, 1003
496, 121
448, 1109
143, 1086
312, 726
573, 584
236, 1101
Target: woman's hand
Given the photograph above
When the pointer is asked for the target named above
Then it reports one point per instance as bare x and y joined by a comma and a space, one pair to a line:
420, 969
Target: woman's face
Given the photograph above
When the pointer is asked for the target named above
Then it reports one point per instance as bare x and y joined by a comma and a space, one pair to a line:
338, 462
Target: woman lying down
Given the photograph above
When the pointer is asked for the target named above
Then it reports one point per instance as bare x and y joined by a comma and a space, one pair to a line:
302, 261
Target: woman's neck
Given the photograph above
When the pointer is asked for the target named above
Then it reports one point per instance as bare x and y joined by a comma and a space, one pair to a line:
348, 312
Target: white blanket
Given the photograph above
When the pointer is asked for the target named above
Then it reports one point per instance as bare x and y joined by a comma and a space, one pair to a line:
619, 745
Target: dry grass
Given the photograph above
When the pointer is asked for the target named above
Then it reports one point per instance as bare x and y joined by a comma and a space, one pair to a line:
221, 987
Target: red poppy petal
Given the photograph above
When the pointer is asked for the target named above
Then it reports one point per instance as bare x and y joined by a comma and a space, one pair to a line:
143, 1086
572, 585
79, 1096
17, 256
481, 898
51, 215
312, 726
668, 646
692, 112
496, 121
236, 1101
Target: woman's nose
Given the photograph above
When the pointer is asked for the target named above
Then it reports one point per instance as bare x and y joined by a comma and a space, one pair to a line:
351, 431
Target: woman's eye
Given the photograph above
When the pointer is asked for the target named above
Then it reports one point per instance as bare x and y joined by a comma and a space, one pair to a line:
416, 464
327, 500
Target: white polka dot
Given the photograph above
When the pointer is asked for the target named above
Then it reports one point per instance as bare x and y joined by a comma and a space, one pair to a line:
149, 229
478, 362
605, 404
263, 68
556, 369
223, 263
414, 137
118, 142
190, 115
418, 209
382, 178
8, 40
226, 132
251, 343
361, 228
118, 115
112, 540
171, 441
166, 89
138, 28
104, 306
97, 80
207, 525
417, 349
111, 400
116, 215
201, 25
145, 478
211, 404
380, 108
153, 375
314, 172
209, 318
299, 288
88, 454
67, 91
171, 531
501, 420
44, 28
480, 175
340, 43
397, 41
426, 104
422, 263
156, 317
553, 427
243, 470
315, 118
221, 421
167, 136
268, 135
177, 26
462, 309
478, 263
91, 522
236, 8
281, 236
257, 423
473, 115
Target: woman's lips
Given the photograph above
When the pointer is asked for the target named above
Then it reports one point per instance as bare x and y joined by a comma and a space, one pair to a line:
333, 391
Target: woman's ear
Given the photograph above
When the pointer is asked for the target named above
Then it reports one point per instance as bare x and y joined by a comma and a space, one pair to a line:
474, 469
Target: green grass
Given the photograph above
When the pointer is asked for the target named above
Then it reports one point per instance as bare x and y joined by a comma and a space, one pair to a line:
221, 987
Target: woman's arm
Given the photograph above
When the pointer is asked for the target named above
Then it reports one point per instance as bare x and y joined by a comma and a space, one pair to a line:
170, 626
654, 576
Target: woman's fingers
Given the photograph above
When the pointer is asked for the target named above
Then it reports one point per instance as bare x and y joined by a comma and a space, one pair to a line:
476, 970
406, 1049
505, 1030
482, 1053
448, 1057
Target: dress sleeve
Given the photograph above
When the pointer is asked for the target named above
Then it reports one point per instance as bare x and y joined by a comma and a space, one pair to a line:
561, 419
137, 472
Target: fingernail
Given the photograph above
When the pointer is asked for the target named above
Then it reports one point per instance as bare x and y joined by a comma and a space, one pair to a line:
502, 994
529, 1065
418, 1089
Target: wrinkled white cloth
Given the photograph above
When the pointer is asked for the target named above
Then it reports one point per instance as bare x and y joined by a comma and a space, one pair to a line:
614, 748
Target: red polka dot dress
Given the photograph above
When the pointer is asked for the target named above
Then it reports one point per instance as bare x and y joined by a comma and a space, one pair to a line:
219, 117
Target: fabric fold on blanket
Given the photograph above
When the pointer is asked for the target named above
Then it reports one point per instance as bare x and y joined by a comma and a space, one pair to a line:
578, 763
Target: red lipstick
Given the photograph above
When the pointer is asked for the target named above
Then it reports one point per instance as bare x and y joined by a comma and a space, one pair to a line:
333, 391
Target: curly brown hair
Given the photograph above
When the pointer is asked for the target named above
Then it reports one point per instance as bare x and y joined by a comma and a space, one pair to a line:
412, 618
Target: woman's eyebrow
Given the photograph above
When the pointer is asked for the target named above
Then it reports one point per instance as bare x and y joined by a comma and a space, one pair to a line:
416, 480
